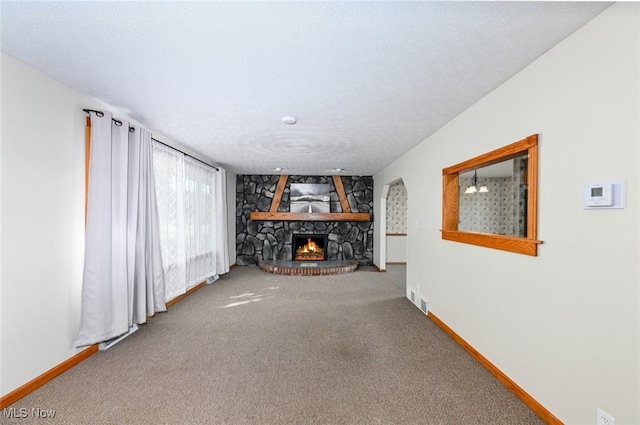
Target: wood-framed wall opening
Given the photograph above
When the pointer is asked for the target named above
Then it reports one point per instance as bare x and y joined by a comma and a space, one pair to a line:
527, 245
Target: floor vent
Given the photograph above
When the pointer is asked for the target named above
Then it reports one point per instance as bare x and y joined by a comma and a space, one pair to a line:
413, 297
424, 306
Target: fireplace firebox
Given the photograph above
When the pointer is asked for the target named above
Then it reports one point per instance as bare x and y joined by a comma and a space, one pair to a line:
308, 247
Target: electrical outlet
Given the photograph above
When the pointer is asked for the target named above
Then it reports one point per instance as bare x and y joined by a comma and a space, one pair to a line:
605, 419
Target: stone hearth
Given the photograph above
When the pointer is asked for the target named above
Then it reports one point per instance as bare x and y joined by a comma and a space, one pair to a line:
309, 268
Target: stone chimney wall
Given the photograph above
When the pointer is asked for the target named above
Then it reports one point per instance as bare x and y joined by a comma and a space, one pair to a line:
271, 240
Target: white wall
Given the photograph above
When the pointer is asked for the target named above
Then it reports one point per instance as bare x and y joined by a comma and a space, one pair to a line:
42, 222
42, 169
564, 325
396, 248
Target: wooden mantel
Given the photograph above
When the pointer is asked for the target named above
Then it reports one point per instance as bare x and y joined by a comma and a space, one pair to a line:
289, 216
274, 215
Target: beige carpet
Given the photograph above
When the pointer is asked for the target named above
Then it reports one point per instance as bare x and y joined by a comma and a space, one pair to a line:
256, 348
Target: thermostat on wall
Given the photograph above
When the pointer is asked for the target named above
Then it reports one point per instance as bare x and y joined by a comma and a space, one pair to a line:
603, 195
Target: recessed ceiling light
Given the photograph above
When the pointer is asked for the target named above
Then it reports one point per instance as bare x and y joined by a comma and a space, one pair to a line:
338, 170
289, 120
278, 169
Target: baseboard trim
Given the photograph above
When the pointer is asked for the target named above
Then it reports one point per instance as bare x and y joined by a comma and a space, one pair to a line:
396, 263
39, 381
233, 266
190, 291
375, 266
532, 403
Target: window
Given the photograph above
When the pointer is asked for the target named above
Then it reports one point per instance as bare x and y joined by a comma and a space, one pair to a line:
186, 210
522, 239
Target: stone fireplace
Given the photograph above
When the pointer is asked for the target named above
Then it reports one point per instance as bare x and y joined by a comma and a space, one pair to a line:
273, 239
308, 247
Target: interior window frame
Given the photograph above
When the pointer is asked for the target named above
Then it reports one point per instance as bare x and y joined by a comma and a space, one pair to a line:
450, 199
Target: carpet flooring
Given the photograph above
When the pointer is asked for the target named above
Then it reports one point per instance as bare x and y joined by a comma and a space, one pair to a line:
257, 348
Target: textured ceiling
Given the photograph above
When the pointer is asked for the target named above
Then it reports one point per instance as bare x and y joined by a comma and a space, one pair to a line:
367, 81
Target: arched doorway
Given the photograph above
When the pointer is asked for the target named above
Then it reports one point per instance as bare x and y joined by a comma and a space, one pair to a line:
394, 244
396, 223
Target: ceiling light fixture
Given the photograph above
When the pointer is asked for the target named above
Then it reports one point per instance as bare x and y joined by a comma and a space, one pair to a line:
278, 169
338, 170
289, 120
474, 185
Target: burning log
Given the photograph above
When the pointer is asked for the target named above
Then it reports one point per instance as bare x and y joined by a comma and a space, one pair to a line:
309, 251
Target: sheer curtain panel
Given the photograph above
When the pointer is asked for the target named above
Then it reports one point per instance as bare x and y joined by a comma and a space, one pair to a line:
200, 221
169, 172
189, 201
122, 278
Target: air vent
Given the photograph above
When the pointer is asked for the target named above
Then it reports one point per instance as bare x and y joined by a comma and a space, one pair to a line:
413, 297
424, 306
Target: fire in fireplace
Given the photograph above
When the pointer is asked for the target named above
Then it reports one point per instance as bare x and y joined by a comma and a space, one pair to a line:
308, 247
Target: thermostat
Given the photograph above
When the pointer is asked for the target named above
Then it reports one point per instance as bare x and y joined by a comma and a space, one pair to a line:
603, 195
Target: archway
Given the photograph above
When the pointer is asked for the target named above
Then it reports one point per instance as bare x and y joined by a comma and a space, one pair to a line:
396, 223
393, 241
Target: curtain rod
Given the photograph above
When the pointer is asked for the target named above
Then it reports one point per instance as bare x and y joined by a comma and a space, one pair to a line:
118, 122
132, 130
186, 154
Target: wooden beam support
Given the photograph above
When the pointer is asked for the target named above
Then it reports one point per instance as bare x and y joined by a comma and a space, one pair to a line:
275, 203
274, 215
344, 203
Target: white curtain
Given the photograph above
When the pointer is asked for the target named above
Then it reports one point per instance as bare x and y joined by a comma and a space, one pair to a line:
222, 234
168, 166
189, 200
200, 219
145, 274
122, 279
